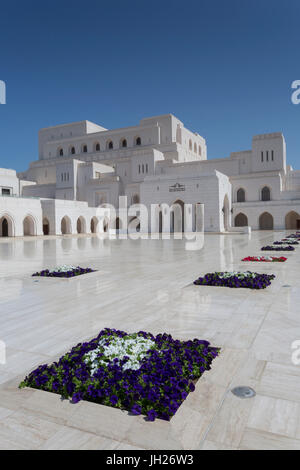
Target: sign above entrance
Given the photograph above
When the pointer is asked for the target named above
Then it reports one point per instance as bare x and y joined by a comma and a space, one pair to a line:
176, 187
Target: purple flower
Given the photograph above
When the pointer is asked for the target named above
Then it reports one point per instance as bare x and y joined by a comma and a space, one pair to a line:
151, 415
136, 410
114, 399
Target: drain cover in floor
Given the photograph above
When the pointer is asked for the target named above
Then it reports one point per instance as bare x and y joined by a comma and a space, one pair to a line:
243, 392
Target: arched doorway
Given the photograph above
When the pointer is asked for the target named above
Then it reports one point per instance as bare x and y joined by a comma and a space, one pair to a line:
134, 224
4, 228
105, 224
266, 221
66, 227
177, 216
94, 225
7, 228
241, 220
160, 222
117, 225
46, 226
81, 225
29, 226
292, 220
226, 213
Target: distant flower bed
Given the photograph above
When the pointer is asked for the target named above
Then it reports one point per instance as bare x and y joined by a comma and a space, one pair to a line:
287, 242
246, 279
278, 248
141, 373
294, 235
271, 259
64, 271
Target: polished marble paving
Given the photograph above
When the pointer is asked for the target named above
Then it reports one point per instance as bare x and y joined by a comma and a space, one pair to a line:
146, 285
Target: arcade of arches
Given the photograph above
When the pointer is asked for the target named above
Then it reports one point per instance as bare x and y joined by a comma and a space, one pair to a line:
177, 222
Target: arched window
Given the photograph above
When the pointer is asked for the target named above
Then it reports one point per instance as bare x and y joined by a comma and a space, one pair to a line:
110, 144
72, 150
123, 143
190, 144
84, 148
195, 148
240, 195
265, 194
97, 147
61, 152
199, 150
138, 141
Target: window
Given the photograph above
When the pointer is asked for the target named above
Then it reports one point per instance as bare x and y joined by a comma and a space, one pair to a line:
124, 143
195, 148
84, 148
138, 141
267, 156
199, 151
62, 177
240, 195
139, 168
97, 147
146, 167
272, 157
72, 150
265, 194
262, 156
61, 152
110, 145
143, 168
190, 144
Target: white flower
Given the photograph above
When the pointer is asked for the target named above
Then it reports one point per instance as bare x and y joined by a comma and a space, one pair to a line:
238, 274
63, 269
135, 347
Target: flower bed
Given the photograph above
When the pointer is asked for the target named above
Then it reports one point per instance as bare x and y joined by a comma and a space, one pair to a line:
142, 373
271, 259
287, 242
236, 279
278, 248
64, 271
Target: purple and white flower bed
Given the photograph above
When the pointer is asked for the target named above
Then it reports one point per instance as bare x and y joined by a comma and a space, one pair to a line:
287, 242
64, 271
236, 279
278, 248
141, 373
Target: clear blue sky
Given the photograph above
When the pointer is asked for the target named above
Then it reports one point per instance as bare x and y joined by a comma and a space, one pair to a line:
224, 68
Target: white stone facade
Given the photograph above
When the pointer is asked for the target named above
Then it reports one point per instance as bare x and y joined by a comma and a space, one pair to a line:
83, 166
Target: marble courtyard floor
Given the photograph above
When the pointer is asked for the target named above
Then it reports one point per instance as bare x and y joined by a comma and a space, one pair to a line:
146, 285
